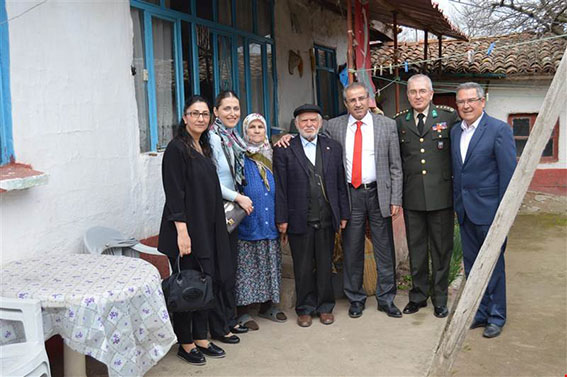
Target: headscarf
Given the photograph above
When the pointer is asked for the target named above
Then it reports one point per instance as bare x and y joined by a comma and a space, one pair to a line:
260, 153
233, 147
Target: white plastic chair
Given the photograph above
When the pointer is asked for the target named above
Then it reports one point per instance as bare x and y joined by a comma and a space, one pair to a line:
27, 358
103, 240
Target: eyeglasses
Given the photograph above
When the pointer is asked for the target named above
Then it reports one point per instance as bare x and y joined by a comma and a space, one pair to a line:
462, 102
353, 101
196, 114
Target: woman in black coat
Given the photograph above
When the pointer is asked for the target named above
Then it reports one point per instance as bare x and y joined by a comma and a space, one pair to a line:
193, 223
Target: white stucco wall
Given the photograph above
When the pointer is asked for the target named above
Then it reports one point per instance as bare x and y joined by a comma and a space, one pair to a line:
315, 25
75, 118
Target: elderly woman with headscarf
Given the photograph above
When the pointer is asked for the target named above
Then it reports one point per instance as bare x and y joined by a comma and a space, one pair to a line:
258, 272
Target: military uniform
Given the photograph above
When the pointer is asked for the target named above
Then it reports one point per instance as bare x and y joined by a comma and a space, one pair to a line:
428, 199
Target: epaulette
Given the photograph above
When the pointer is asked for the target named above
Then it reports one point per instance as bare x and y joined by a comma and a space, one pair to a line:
401, 113
446, 108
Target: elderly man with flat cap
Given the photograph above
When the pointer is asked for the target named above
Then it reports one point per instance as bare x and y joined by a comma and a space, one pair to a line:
311, 205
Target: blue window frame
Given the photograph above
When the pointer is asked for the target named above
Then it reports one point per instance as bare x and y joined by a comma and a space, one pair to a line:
186, 47
326, 78
6, 140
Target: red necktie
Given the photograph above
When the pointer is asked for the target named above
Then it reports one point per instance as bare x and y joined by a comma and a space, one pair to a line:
356, 176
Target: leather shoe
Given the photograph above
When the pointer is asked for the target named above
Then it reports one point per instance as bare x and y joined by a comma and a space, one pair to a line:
212, 351
355, 309
239, 330
304, 320
413, 307
391, 310
233, 339
326, 318
492, 331
441, 311
194, 356
477, 324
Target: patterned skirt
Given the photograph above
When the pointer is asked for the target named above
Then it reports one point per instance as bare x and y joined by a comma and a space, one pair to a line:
258, 272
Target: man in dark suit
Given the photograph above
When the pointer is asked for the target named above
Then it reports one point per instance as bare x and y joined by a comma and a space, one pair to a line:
311, 205
423, 131
484, 159
373, 171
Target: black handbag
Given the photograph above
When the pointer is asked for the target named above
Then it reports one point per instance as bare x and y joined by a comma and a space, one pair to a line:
234, 215
188, 290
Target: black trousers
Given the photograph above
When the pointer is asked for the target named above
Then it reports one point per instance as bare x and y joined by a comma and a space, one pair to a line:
312, 254
188, 326
365, 206
223, 316
430, 235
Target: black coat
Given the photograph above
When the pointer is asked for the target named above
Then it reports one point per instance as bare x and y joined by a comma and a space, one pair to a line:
292, 183
193, 196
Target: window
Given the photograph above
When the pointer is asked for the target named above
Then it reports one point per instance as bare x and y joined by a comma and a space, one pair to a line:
6, 141
522, 125
186, 47
327, 81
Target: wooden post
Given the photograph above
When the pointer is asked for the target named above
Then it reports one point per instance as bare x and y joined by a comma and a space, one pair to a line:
425, 50
440, 38
454, 334
350, 32
396, 69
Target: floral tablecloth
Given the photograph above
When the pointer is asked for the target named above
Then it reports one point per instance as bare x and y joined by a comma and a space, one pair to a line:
109, 307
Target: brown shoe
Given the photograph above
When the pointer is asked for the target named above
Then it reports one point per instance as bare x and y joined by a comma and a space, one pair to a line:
304, 320
326, 318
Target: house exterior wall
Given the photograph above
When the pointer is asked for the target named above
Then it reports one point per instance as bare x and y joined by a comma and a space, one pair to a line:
298, 26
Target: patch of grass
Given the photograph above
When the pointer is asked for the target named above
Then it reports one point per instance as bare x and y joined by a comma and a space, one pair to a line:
404, 283
547, 220
457, 257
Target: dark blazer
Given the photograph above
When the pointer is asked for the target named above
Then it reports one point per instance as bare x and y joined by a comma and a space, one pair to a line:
480, 182
292, 183
426, 159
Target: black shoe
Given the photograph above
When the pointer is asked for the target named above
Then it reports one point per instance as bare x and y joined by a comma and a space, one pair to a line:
213, 351
477, 324
392, 310
413, 307
194, 356
355, 309
239, 330
492, 331
233, 339
441, 311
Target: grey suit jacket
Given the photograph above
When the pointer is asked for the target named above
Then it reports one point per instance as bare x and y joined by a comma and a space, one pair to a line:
389, 177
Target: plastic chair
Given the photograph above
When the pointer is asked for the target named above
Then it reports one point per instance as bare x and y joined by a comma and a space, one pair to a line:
27, 358
103, 240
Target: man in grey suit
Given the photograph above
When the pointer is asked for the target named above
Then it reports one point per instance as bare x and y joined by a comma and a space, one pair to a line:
373, 167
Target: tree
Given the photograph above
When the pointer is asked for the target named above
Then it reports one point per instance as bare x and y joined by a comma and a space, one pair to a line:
496, 17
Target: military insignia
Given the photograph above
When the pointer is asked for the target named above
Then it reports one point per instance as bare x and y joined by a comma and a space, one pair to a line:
401, 113
434, 113
440, 144
439, 126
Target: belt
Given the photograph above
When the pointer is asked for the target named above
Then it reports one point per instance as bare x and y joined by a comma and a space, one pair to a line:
366, 186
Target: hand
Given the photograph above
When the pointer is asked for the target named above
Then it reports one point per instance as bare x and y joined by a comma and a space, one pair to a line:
245, 203
394, 210
184, 243
282, 228
284, 141
343, 223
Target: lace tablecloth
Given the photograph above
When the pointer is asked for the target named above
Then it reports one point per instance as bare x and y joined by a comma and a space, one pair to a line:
108, 307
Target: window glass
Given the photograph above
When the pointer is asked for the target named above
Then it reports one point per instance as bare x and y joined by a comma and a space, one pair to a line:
179, 5
326, 94
187, 61
140, 79
156, 2
521, 126
256, 82
225, 12
241, 75
520, 144
270, 84
224, 45
244, 15
164, 68
204, 9
205, 50
264, 17
548, 150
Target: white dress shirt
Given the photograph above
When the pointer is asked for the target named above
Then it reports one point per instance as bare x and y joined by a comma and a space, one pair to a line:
310, 148
424, 112
368, 161
466, 136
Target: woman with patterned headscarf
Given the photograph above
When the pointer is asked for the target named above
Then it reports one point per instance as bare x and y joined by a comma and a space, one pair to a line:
258, 272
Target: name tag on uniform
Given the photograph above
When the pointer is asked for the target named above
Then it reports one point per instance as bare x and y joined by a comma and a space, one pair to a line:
439, 126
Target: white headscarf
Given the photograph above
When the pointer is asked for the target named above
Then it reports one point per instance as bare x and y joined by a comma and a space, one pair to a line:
263, 147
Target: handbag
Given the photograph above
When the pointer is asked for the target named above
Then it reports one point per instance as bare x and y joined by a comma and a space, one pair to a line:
188, 290
234, 215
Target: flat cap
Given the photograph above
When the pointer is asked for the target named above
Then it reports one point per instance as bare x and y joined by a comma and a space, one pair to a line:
307, 108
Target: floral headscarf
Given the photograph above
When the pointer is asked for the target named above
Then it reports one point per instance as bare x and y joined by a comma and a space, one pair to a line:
233, 147
260, 153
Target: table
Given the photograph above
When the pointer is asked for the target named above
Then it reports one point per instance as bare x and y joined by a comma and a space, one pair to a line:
108, 307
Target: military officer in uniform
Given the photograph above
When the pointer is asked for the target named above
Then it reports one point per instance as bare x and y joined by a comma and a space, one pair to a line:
427, 193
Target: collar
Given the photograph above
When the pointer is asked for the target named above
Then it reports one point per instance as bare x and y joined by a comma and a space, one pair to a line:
425, 112
366, 120
306, 142
475, 124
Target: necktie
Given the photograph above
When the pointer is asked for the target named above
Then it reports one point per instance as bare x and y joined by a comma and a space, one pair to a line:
356, 176
420, 124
